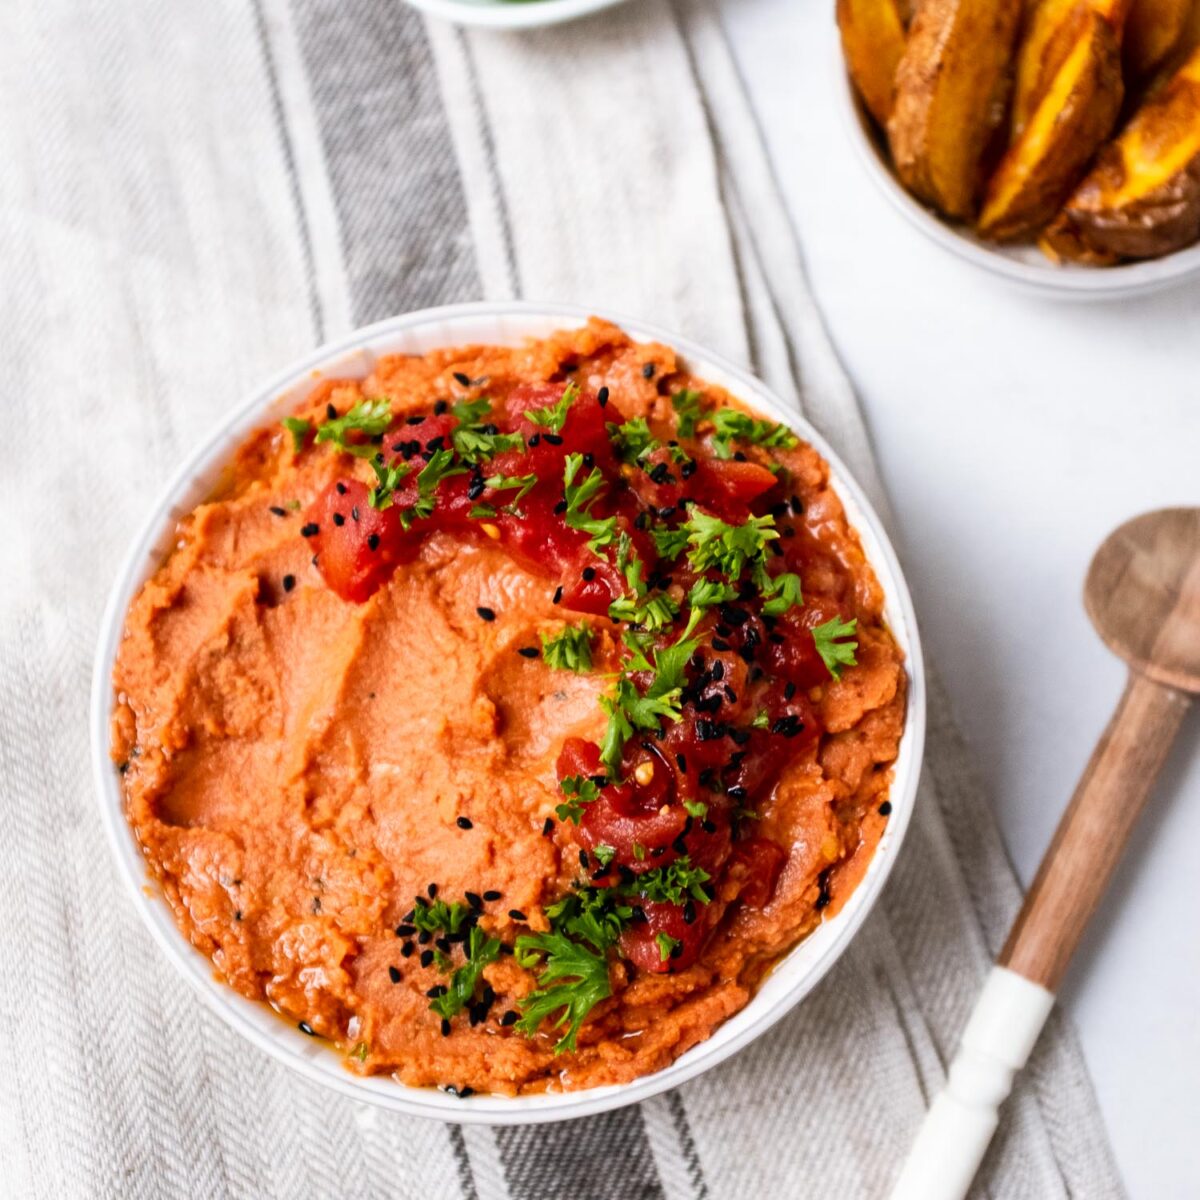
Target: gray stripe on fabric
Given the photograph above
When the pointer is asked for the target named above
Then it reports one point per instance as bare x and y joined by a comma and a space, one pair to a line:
691, 1156
396, 186
462, 1161
289, 158
595, 1158
489, 153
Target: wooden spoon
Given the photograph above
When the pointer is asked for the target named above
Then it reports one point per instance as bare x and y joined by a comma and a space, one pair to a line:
1143, 596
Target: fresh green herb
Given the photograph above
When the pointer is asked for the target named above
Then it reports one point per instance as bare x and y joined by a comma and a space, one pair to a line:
299, 428
292, 506
762, 720
474, 440
439, 467
370, 418
653, 613
730, 425
580, 497
595, 915
387, 479
696, 808
360, 1052
507, 483
836, 654
579, 790
639, 852
707, 593
633, 440
672, 884
780, 592
554, 416
437, 916
482, 510
727, 548
689, 408
666, 945
571, 982
472, 412
669, 543
570, 649
480, 950
604, 854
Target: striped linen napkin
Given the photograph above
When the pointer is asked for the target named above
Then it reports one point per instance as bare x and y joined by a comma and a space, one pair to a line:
192, 195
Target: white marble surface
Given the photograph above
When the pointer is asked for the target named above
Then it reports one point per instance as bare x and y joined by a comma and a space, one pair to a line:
1014, 432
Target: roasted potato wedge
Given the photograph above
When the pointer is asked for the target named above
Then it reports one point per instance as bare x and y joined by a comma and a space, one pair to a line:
1076, 110
872, 42
1142, 198
1152, 31
1041, 21
950, 91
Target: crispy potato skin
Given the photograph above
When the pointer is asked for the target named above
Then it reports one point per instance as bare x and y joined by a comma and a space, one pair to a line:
951, 84
872, 40
1076, 111
1152, 31
1142, 198
1041, 21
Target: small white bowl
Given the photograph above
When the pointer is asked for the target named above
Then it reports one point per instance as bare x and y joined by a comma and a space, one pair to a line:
510, 14
1024, 265
508, 324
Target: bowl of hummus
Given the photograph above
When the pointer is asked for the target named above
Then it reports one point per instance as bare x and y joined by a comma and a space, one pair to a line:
508, 713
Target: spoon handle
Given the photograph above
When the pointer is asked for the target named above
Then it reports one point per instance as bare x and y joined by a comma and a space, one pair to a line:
1019, 993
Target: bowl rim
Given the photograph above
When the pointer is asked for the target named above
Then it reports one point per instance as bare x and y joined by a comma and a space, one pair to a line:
530, 15
1063, 281
512, 321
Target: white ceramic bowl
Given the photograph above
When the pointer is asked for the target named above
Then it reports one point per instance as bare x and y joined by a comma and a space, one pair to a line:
1023, 265
510, 324
510, 14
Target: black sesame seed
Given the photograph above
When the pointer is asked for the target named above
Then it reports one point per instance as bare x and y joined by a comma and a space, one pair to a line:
424, 937
560, 508
432, 890
438, 989
548, 827
279, 512
557, 595
461, 379
823, 895
341, 488
305, 1027
689, 913
552, 439
475, 487
658, 852
464, 823
237, 914
405, 930
338, 519
406, 951
528, 651
681, 762
415, 421
491, 894
516, 914
689, 469
510, 1017
474, 899
486, 613
737, 792
589, 460
354, 512
739, 457
648, 371
535, 440
885, 809
310, 530
797, 505
441, 407
583, 859
373, 542
289, 582
588, 573
394, 974
602, 397
708, 826
789, 691
426, 957
331, 412
445, 1027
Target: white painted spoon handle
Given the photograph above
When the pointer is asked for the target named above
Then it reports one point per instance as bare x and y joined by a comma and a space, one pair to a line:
1003, 1028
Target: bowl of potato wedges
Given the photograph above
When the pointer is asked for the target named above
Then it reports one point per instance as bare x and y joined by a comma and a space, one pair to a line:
1054, 142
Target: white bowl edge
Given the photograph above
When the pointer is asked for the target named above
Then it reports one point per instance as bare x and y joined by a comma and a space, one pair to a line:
1024, 265
792, 978
531, 14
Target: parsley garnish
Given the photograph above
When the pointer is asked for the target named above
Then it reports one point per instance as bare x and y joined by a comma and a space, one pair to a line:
475, 441
780, 592
666, 945
727, 548
480, 950
570, 649
833, 653
299, 428
707, 593
579, 790
554, 416
580, 497
674, 883
633, 440
506, 483
440, 466
669, 543
696, 808
387, 479
439, 917
572, 981
650, 612
729, 424
371, 418
471, 412
688, 410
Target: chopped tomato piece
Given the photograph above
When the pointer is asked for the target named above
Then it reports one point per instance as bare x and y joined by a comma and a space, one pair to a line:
667, 927
757, 862
356, 546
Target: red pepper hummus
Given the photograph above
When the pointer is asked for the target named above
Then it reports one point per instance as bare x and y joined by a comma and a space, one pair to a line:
505, 715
